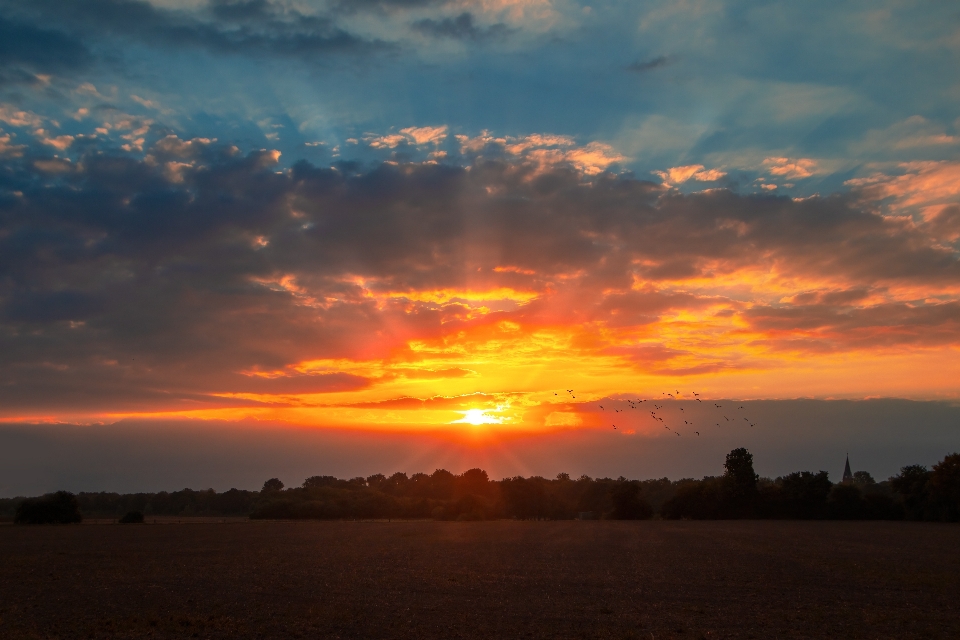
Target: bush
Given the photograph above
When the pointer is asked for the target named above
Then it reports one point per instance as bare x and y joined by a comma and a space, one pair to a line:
132, 517
56, 508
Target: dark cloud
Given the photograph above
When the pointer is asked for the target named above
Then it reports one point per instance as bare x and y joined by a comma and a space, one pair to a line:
257, 27
642, 66
461, 27
382, 6
27, 50
129, 283
240, 11
829, 327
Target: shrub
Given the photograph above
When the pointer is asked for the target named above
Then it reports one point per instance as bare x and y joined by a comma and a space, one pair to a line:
56, 508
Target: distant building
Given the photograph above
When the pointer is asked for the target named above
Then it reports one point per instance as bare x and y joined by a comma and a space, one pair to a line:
847, 476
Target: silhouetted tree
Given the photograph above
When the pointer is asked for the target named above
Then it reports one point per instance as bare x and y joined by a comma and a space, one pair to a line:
863, 479
315, 482
132, 517
523, 497
442, 484
697, 500
56, 508
739, 484
376, 481
271, 485
944, 488
396, 485
911, 484
804, 495
628, 503
845, 502
472, 482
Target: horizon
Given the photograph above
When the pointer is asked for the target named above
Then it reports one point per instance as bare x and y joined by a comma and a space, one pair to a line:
152, 456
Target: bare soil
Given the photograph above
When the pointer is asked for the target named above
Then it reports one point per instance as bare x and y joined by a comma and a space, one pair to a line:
481, 580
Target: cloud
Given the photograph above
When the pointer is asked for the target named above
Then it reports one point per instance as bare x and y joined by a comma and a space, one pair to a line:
642, 66
18, 117
678, 175
240, 28
8, 149
791, 169
409, 135
354, 6
928, 187
461, 27
198, 278
426, 135
27, 50
544, 151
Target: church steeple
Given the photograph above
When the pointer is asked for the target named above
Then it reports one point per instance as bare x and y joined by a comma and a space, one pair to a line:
847, 476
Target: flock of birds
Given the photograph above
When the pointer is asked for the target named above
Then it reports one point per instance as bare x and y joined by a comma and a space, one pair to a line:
636, 404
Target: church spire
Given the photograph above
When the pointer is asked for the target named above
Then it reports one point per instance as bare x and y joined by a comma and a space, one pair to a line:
847, 476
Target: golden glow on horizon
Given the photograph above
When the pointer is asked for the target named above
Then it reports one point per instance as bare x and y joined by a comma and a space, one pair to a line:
508, 371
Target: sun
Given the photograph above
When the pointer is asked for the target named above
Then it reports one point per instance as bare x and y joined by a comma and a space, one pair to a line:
477, 417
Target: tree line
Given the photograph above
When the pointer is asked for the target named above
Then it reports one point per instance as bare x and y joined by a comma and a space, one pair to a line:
916, 493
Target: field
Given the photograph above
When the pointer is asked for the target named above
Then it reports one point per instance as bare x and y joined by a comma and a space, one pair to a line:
505, 579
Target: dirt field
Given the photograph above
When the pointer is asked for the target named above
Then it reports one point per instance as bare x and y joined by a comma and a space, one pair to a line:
482, 580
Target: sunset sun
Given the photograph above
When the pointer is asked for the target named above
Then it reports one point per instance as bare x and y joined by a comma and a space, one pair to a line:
477, 417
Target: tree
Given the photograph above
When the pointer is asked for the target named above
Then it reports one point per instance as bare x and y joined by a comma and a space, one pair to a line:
911, 484
803, 494
628, 504
472, 482
524, 498
272, 485
376, 481
56, 508
697, 500
845, 502
863, 479
944, 486
739, 483
314, 482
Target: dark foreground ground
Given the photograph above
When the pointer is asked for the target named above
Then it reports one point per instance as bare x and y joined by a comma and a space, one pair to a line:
482, 580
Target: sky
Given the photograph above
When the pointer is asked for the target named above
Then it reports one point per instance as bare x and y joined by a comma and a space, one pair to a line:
366, 228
